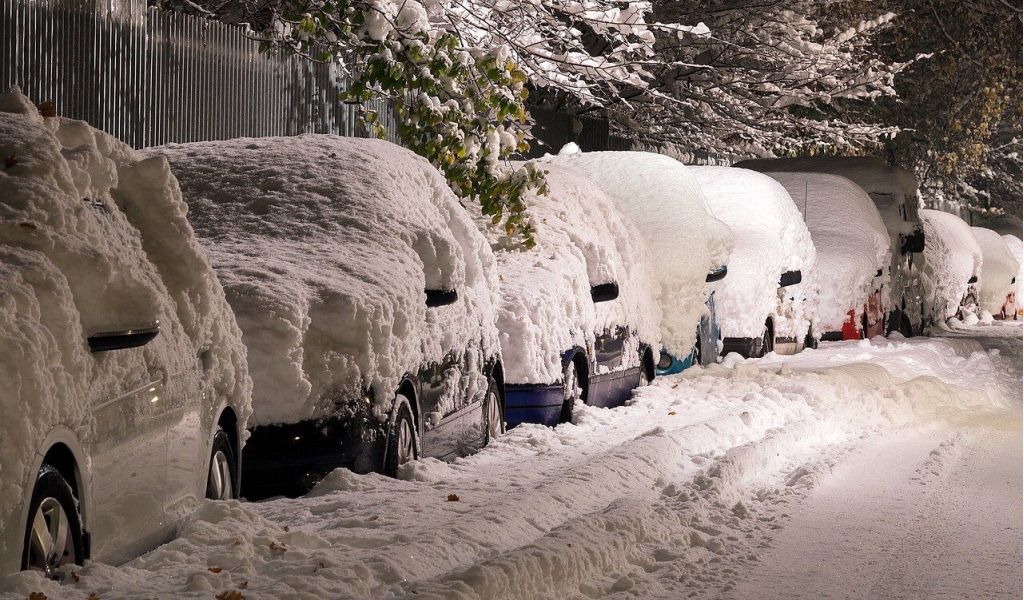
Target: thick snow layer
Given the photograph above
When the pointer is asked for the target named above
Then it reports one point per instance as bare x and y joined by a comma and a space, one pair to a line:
1017, 250
665, 202
94, 238
952, 257
546, 308
998, 268
770, 239
679, 494
850, 241
325, 246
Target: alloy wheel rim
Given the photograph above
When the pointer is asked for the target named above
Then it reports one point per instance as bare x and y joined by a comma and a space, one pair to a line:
405, 442
220, 476
50, 542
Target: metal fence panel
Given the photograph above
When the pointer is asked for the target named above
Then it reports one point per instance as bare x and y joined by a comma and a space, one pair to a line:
151, 77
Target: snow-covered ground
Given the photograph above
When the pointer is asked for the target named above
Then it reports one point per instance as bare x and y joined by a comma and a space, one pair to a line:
881, 468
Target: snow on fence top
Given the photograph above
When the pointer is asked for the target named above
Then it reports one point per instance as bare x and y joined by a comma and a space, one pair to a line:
998, 268
546, 308
770, 239
893, 189
665, 202
94, 238
325, 246
952, 257
850, 241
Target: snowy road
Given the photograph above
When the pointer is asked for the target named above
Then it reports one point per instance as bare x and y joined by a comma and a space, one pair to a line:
882, 469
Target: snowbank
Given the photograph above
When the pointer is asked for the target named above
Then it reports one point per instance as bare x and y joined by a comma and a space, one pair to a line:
546, 309
850, 241
998, 268
770, 239
665, 202
94, 238
951, 258
325, 246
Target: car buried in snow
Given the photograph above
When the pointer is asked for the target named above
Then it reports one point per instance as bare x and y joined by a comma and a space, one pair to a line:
894, 191
365, 295
951, 267
126, 387
998, 278
690, 247
576, 319
1012, 308
763, 305
851, 243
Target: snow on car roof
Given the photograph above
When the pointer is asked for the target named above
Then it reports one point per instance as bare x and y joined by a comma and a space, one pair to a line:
850, 241
546, 308
94, 238
325, 246
952, 257
770, 239
998, 268
665, 202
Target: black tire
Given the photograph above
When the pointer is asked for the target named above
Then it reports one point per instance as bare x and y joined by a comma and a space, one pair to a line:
767, 339
222, 469
810, 341
52, 500
569, 397
402, 446
492, 402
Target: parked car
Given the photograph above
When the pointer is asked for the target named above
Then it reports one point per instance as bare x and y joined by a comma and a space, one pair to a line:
850, 275
763, 306
576, 317
690, 247
998, 280
1015, 311
126, 390
366, 298
951, 267
894, 191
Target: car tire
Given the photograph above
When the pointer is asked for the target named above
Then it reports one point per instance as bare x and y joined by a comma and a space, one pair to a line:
53, 534
494, 413
810, 341
402, 445
222, 473
767, 340
572, 390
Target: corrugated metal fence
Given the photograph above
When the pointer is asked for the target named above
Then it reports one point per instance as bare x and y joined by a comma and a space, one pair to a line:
151, 77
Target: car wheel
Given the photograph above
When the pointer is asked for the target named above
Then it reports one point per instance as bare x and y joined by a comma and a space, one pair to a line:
53, 534
572, 391
810, 341
494, 416
220, 480
767, 339
402, 447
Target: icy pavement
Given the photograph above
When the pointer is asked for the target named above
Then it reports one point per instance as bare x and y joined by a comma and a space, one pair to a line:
889, 468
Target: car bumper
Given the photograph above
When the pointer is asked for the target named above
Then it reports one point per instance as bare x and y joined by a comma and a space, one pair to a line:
533, 403
289, 459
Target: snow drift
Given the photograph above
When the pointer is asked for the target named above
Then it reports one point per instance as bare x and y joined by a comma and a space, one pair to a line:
546, 308
998, 269
770, 239
325, 246
1014, 244
850, 241
93, 238
665, 203
952, 257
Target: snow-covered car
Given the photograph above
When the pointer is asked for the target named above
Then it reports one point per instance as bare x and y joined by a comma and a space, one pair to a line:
998, 280
850, 274
894, 191
951, 267
366, 298
690, 247
126, 390
577, 321
1014, 310
763, 305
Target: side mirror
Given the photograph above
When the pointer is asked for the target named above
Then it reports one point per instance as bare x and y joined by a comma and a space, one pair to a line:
973, 279
790, 278
604, 292
437, 298
119, 340
717, 275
